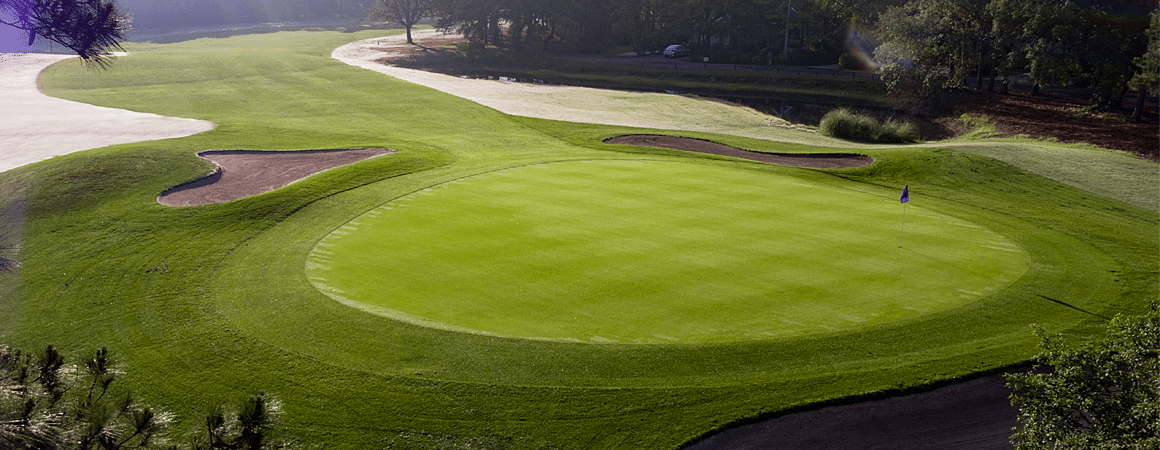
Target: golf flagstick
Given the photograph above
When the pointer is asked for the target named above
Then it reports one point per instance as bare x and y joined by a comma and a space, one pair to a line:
904, 198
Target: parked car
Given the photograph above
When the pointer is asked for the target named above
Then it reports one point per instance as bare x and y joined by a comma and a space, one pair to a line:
676, 51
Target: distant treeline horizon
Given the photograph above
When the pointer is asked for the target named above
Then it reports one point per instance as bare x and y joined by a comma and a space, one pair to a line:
179, 14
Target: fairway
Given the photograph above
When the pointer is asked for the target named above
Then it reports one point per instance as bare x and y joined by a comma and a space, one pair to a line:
623, 251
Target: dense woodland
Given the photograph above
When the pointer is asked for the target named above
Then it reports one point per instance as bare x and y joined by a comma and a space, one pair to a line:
738, 31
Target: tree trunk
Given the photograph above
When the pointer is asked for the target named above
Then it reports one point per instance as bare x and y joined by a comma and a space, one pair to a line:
493, 27
1138, 111
551, 35
516, 30
1120, 91
982, 63
409, 41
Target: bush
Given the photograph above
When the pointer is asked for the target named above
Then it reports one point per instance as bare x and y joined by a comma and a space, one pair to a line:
1103, 394
897, 132
844, 124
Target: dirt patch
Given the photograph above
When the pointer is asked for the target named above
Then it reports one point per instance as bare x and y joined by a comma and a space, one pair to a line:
242, 173
814, 160
1065, 116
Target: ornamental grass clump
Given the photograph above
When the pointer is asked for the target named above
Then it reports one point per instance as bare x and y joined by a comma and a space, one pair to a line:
844, 124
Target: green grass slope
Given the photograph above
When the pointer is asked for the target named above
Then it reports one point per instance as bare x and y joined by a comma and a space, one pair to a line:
206, 303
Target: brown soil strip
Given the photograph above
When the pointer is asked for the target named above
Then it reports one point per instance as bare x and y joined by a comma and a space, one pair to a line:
1067, 117
814, 160
242, 173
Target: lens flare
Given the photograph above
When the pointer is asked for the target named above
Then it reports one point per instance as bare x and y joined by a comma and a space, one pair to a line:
861, 40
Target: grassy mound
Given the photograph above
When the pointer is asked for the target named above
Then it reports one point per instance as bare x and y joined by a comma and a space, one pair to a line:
211, 302
845, 124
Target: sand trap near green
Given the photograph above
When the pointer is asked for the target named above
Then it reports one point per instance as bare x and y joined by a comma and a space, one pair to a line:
655, 251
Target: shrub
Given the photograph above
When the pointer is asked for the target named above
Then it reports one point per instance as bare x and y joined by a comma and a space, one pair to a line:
844, 124
1102, 394
897, 132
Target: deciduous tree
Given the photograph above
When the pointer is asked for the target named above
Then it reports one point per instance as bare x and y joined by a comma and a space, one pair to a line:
406, 13
930, 46
1147, 78
1101, 395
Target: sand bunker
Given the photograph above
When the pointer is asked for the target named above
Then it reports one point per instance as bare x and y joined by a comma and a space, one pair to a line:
242, 173
970, 415
573, 104
815, 160
37, 127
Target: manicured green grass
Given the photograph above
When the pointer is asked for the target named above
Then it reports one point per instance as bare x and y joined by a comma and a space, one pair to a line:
206, 303
655, 251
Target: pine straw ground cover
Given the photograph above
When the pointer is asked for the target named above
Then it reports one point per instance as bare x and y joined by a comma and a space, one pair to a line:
207, 303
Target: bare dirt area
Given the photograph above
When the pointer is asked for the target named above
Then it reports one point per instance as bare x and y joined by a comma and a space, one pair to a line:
241, 173
1065, 116
814, 160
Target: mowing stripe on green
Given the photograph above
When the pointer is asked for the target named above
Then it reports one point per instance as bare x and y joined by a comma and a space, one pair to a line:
628, 251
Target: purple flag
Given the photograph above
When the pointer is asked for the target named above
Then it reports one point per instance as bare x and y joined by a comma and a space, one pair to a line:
905, 194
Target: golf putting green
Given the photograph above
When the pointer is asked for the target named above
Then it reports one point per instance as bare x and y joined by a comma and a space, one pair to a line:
655, 251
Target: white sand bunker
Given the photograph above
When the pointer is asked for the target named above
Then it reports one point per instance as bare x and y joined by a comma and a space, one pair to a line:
37, 127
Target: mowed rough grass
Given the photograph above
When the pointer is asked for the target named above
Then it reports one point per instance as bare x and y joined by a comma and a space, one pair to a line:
653, 251
207, 303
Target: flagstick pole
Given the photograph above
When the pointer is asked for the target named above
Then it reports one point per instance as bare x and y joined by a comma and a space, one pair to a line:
903, 227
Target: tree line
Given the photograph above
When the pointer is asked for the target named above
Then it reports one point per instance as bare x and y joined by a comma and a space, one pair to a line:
924, 47
934, 45
927, 46
737, 31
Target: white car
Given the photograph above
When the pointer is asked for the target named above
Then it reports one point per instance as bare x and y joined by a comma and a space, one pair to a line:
676, 51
